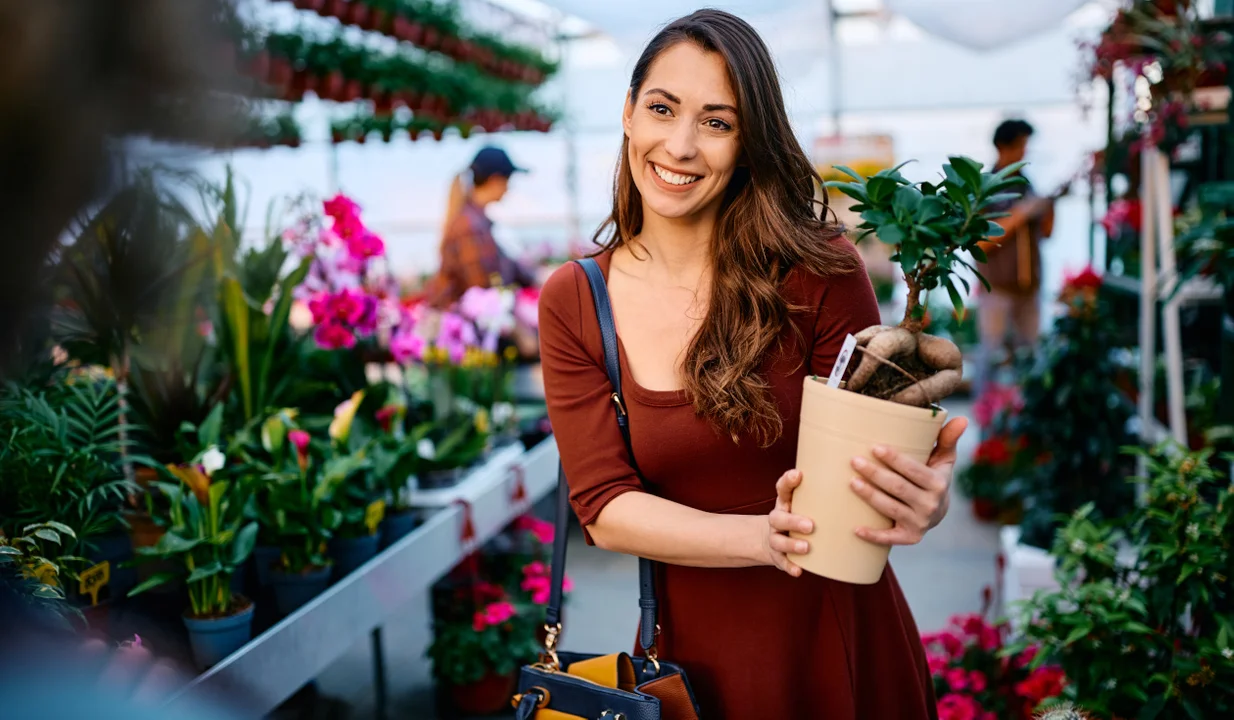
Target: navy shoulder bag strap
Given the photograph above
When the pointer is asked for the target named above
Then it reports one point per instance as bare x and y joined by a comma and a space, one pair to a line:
646, 577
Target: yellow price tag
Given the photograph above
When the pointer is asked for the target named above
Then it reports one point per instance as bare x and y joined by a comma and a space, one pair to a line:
95, 579
373, 515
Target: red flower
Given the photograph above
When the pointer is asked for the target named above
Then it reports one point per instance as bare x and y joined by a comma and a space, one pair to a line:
544, 531
957, 679
385, 417
1084, 280
954, 706
977, 681
332, 336
1044, 683
993, 451
936, 663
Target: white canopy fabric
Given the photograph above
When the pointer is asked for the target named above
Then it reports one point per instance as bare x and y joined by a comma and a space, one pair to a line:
984, 24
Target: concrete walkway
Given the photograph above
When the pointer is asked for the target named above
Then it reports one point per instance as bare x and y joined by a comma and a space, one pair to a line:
943, 575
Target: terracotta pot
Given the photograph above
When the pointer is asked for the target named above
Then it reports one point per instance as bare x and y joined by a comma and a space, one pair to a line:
984, 509
332, 88
379, 20
360, 15
338, 9
491, 694
836, 426
353, 90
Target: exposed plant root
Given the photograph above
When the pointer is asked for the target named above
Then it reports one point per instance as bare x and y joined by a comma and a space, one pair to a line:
893, 342
929, 391
939, 353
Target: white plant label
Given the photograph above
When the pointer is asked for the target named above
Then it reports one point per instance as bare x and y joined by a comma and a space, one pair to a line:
842, 360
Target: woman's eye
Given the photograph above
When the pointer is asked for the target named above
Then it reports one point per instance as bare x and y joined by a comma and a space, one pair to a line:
659, 109
716, 124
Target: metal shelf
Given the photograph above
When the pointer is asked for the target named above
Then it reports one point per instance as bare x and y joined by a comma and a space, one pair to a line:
274, 665
1195, 290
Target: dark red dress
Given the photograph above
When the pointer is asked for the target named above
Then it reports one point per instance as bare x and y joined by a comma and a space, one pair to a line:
755, 642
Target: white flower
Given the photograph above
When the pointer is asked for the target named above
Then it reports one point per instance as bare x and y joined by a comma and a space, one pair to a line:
426, 449
1194, 558
1110, 684
213, 460
1078, 546
502, 413
1193, 531
1228, 653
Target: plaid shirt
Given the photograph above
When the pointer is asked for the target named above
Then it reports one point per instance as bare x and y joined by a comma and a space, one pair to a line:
470, 257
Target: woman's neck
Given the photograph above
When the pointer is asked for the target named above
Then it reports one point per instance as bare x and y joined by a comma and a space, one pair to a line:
680, 248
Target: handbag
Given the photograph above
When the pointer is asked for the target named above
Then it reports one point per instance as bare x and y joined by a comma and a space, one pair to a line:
575, 686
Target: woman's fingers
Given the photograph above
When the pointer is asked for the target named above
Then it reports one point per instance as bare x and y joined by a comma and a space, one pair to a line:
892, 536
895, 484
786, 545
782, 521
785, 486
890, 507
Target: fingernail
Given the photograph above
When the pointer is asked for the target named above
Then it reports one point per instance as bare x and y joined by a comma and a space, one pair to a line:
857, 483
860, 463
802, 548
806, 526
879, 451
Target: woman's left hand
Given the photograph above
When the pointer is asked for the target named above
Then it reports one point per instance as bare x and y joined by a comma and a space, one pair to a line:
915, 496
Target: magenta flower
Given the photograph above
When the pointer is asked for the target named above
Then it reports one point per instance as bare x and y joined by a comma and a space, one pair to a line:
365, 245
543, 530
540, 588
498, 612
957, 678
300, 440
407, 346
954, 706
386, 415
333, 336
977, 681
527, 307
341, 206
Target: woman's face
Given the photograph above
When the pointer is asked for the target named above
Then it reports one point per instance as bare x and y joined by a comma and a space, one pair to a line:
683, 134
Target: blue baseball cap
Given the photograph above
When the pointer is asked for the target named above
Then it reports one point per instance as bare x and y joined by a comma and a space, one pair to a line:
492, 161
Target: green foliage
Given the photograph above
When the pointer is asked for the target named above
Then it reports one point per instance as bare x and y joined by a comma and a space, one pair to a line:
35, 563
931, 223
1074, 419
256, 345
299, 500
208, 538
462, 655
1147, 632
60, 457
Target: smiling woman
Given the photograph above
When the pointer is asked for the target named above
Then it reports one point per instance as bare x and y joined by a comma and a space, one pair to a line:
728, 286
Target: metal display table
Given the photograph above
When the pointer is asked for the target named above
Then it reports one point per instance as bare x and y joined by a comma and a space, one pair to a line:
277, 663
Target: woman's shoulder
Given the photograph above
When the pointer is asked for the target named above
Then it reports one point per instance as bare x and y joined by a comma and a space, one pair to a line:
848, 274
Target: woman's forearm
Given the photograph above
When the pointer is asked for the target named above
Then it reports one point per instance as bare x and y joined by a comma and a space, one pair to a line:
638, 523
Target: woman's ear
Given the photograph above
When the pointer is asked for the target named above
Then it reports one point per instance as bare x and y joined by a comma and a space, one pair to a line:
627, 113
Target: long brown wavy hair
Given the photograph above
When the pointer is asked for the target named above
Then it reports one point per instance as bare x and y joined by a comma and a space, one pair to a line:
769, 222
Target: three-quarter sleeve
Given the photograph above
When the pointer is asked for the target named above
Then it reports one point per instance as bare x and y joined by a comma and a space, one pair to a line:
847, 305
578, 394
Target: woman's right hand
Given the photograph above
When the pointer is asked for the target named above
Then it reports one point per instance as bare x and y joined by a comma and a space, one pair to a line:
780, 521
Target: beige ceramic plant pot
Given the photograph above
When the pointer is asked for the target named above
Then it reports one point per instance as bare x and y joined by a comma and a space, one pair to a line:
836, 426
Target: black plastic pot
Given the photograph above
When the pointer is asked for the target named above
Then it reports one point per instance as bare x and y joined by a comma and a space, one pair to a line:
213, 639
291, 591
350, 553
397, 525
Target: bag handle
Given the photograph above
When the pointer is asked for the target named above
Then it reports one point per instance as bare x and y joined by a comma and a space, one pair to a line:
648, 629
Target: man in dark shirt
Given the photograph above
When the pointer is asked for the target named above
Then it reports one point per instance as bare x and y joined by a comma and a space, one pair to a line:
1009, 315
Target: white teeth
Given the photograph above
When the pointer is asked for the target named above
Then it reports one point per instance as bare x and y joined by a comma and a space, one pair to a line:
673, 178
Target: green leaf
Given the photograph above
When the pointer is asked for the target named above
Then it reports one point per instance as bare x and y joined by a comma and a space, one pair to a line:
217, 490
891, 234
1077, 634
994, 230
906, 200
956, 300
849, 172
236, 312
61, 528
978, 254
211, 430
48, 535
969, 170
10, 551
245, 541
204, 572
173, 544
156, 580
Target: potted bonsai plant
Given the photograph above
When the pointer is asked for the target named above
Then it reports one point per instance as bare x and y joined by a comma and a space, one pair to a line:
900, 374
208, 540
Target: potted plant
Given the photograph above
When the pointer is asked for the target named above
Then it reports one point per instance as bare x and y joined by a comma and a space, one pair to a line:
1069, 383
37, 570
900, 374
975, 677
355, 539
393, 451
1142, 622
449, 447
62, 459
296, 485
208, 540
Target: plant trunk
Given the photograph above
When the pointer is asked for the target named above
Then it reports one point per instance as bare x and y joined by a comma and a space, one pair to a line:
912, 323
120, 368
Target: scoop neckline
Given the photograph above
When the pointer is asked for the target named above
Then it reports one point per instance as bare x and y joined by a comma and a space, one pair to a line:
630, 386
